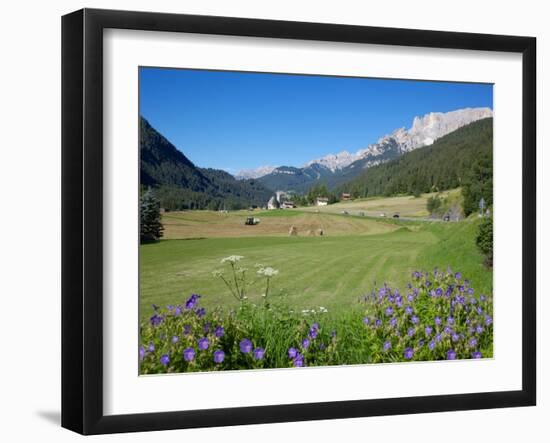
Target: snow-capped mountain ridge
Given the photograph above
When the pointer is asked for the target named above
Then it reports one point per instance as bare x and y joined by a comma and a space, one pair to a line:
423, 132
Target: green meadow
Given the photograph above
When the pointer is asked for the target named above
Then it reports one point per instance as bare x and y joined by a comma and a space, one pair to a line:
353, 256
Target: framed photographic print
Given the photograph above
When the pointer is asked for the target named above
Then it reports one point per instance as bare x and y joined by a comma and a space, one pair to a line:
269, 221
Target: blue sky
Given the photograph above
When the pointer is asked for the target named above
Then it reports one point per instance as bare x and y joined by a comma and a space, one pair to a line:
234, 120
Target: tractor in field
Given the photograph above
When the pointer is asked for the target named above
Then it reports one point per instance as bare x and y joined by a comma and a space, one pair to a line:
251, 221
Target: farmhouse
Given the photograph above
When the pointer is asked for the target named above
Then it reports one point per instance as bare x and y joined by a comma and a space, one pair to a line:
287, 205
321, 201
346, 196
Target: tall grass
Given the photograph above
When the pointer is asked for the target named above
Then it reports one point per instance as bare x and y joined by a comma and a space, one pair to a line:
437, 316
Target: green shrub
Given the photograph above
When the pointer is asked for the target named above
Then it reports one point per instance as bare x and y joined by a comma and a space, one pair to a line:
484, 239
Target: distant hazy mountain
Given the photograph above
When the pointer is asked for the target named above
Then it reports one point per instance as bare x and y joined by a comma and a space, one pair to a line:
335, 169
245, 174
182, 185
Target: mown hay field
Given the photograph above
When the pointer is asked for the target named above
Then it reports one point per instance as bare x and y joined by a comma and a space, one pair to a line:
354, 255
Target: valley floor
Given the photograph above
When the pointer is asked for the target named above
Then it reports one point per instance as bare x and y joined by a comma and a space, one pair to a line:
355, 255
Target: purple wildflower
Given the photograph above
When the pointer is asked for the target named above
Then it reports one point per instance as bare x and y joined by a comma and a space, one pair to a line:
451, 354
455, 337
245, 345
206, 327
488, 320
156, 319
313, 333
141, 352
414, 319
387, 346
186, 329
366, 320
393, 321
431, 345
476, 354
305, 343
219, 356
219, 331
408, 310
165, 359
439, 292
428, 330
203, 344
408, 353
437, 321
175, 339
479, 329
258, 354
201, 312
151, 347
189, 354
458, 275
298, 360
411, 332
389, 311
472, 342
192, 301
450, 320
292, 352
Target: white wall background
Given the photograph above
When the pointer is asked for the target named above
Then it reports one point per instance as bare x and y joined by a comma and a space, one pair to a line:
30, 218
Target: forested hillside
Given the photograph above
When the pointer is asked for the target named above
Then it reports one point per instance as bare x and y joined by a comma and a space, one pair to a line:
179, 184
462, 158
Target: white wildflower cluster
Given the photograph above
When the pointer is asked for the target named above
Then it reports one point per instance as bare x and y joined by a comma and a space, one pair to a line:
322, 310
231, 259
268, 271
217, 273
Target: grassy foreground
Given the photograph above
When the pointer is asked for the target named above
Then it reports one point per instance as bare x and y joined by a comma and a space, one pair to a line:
333, 272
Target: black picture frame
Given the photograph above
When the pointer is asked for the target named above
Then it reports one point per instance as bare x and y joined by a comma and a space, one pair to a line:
82, 218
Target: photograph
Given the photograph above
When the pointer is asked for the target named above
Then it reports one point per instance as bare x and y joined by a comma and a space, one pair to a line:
295, 220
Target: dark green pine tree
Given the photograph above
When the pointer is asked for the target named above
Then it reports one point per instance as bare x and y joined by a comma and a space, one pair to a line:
150, 225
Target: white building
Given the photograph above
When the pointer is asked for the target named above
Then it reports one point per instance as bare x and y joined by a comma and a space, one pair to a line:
273, 203
322, 201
